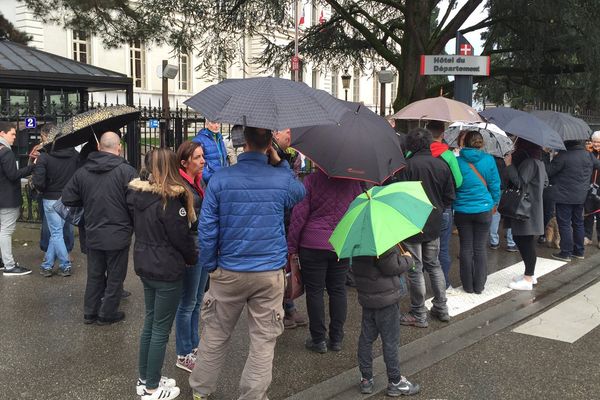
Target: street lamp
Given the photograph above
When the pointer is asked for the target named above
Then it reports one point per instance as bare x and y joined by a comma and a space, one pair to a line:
166, 71
346, 82
384, 76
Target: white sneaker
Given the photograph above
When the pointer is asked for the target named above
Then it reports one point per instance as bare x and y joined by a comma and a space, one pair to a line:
517, 278
451, 291
521, 284
140, 387
161, 393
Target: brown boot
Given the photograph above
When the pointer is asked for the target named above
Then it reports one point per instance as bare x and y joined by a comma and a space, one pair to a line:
298, 318
289, 323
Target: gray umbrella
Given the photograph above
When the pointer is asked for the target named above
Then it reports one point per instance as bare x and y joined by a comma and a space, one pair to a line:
495, 140
267, 102
567, 126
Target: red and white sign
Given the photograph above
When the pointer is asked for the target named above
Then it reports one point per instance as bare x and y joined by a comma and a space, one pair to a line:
295, 63
466, 49
455, 65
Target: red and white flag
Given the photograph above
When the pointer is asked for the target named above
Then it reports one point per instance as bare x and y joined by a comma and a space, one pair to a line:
301, 22
321, 18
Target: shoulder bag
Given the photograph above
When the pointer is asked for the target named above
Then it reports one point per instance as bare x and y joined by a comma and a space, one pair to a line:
515, 203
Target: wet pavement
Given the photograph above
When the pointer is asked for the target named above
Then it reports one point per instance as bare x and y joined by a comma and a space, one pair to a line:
48, 353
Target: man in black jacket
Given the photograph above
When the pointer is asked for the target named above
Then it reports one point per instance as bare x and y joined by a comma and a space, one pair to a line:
100, 186
437, 181
10, 199
51, 173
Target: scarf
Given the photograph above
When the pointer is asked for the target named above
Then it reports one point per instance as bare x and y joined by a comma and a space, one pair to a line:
195, 183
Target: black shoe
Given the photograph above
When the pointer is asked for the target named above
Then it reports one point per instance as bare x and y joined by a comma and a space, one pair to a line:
16, 271
512, 249
320, 347
440, 316
89, 319
558, 256
495, 246
334, 345
46, 272
541, 239
1, 266
125, 294
116, 317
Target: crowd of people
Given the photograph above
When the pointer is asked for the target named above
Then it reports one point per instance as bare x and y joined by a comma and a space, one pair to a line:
213, 235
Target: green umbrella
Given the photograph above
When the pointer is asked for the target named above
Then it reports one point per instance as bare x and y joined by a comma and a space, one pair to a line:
380, 218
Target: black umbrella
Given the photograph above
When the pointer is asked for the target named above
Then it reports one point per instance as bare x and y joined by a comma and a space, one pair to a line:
362, 146
524, 125
267, 102
90, 125
567, 126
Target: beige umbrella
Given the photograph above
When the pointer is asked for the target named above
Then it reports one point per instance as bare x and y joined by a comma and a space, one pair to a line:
440, 109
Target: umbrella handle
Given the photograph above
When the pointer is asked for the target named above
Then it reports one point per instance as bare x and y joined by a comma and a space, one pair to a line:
401, 248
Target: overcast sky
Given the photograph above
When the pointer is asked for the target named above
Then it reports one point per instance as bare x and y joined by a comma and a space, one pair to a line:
473, 37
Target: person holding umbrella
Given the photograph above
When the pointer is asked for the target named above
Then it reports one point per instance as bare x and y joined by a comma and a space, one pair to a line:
312, 223
473, 208
524, 169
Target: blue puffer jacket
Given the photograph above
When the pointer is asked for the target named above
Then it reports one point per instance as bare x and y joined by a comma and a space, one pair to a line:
215, 152
472, 197
241, 222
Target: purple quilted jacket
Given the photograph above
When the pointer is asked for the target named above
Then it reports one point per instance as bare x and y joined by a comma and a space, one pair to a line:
314, 218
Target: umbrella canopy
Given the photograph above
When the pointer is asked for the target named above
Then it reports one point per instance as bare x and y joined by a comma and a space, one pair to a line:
438, 108
495, 140
524, 125
567, 126
380, 218
362, 146
267, 102
82, 127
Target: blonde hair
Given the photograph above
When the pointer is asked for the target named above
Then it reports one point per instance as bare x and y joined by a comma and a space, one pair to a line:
164, 175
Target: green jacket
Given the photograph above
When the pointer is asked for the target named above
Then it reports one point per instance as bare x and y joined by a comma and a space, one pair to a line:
441, 150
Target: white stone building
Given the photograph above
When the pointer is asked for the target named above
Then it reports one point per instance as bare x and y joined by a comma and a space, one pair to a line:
141, 60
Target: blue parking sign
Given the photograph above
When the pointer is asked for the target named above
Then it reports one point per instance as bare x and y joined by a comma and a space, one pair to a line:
30, 122
153, 123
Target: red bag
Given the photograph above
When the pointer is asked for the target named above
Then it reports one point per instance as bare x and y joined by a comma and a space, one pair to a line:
294, 287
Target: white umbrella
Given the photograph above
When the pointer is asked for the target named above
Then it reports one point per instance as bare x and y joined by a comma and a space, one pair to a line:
495, 140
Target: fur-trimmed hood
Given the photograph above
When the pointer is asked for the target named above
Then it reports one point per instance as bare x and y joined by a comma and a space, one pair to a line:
151, 193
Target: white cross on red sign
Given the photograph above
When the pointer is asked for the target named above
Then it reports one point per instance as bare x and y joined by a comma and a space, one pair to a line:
466, 49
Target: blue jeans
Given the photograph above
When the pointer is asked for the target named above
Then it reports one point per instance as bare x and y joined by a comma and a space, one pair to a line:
56, 247
68, 234
188, 312
569, 218
445, 234
494, 237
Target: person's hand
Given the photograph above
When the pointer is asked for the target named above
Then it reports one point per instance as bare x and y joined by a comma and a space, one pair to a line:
274, 158
508, 159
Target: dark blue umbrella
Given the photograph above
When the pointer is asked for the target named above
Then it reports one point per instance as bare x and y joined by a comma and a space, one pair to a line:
362, 146
524, 125
267, 102
567, 126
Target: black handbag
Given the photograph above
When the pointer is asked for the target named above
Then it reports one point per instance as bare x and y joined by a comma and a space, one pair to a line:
592, 200
71, 215
515, 203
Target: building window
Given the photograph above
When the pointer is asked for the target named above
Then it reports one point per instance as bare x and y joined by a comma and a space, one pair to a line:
356, 85
184, 72
222, 72
277, 71
334, 83
315, 79
375, 89
314, 15
393, 91
81, 47
138, 63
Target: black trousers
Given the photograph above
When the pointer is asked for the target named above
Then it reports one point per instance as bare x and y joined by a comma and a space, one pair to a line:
107, 270
473, 232
321, 270
526, 246
588, 226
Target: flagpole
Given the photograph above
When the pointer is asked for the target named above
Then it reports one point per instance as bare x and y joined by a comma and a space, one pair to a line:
296, 36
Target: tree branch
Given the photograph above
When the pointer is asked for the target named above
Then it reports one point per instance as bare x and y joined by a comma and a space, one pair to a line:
438, 42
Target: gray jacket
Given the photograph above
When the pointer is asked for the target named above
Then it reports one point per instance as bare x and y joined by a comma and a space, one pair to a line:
531, 175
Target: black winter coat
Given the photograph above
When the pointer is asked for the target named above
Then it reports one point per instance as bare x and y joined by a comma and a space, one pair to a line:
570, 173
378, 281
100, 187
10, 178
164, 243
438, 183
53, 171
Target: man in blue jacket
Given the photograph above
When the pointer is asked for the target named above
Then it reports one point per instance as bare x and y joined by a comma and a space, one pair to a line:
242, 243
215, 152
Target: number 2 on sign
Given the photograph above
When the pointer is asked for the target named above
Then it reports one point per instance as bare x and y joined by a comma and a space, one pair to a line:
30, 122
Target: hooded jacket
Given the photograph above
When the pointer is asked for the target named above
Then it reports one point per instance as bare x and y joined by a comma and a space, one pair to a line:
53, 171
316, 216
473, 197
10, 177
378, 280
215, 152
100, 187
437, 182
164, 243
441, 150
